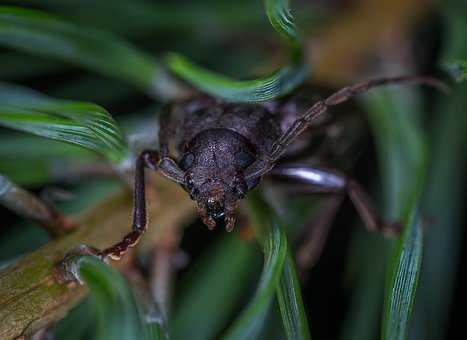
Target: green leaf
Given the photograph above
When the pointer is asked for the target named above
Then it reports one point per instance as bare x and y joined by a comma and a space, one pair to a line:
271, 236
142, 18
41, 160
84, 124
274, 245
403, 280
291, 304
80, 319
443, 237
402, 151
117, 312
41, 34
454, 53
231, 265
16, 66
366, 265
445, 234
276, 84
457, 69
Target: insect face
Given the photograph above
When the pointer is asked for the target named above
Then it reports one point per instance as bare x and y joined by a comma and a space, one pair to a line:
213, 163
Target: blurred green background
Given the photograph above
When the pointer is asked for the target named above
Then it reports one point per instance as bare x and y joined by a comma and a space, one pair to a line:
405, 144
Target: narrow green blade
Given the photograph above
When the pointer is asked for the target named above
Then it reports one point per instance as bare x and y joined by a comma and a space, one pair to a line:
445, 234
402, 151
117, 313
84, 124
230, 265
403, 280
290, 303
267, 224
278, 83
274, 246
41, 34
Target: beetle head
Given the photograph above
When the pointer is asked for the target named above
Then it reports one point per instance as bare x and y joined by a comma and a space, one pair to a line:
213, 165
217, 199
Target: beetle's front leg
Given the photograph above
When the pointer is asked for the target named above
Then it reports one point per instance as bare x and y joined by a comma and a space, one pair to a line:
147, 159
332, 182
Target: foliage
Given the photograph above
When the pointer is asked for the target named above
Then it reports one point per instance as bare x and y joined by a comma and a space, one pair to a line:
58, 53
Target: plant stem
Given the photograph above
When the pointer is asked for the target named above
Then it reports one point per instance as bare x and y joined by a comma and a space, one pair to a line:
26, 204
30, 295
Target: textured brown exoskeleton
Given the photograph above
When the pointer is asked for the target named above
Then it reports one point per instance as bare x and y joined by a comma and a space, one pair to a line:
218, 151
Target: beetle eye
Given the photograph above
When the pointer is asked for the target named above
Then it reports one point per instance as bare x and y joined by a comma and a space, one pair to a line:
187, 161
244, 158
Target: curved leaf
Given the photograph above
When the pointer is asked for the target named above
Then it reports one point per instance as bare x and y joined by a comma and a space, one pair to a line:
209, 306
84, 124
278, 83
291, 304
288, 291
38, 33
118, 316
282, 279
274, 246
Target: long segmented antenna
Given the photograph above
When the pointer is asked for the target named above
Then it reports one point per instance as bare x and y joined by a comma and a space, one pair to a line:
265, 164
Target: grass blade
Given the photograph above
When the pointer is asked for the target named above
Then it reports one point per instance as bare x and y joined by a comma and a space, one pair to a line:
403, 280
274, 246
290, 302
117, 312
366, 276
402, 152
447, 173
278, 83
443, 236
41, 159
41, 34
84, 124
231, 265
288, 291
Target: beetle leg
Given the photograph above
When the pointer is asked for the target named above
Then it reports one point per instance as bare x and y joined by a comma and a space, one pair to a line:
265, 164
332, 182
149, 159
316, 234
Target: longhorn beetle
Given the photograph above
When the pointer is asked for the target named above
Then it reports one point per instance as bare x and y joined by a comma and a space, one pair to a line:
219, 151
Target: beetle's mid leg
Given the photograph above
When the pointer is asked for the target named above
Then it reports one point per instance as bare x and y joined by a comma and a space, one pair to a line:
332, 182
147, 159
316, 234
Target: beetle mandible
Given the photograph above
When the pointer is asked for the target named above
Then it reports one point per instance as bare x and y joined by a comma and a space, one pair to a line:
219, 151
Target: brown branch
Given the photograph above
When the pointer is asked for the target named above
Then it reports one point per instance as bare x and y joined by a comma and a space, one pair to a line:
26, 204
30, 296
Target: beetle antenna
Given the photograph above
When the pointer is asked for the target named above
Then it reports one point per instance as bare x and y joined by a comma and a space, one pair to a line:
265, 164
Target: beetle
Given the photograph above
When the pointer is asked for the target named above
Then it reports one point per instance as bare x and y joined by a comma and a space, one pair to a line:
218, 151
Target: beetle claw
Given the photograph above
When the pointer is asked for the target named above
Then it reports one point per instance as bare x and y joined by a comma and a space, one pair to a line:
230, 223
210, 222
